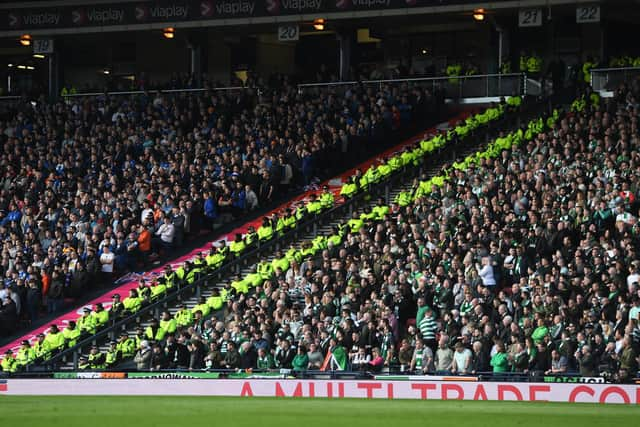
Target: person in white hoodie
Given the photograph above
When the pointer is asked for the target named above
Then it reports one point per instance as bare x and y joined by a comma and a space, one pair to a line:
486, 272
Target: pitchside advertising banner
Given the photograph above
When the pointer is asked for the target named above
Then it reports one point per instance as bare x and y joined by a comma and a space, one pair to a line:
144, 12
540, 392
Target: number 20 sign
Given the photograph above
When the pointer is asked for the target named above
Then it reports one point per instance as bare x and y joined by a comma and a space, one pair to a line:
288, 33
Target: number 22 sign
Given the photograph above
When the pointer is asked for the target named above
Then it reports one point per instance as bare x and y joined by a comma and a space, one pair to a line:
587, 14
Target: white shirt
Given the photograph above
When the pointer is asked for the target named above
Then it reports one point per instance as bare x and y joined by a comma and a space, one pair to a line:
486, 274
166, 231
145, 214
106, 259
625, 217
461, 359
361, 359
251, 199
631, 279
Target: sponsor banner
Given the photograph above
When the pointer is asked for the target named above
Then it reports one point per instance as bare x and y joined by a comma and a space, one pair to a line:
174, 375
141, 12
89, 375
126, 285
424, 378
260, 375
582, 380
497, 391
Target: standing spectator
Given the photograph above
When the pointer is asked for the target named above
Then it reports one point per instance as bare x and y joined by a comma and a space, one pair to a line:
196, 350
586, 362
144, 243
462, 358
231, 356
480, 361
143, 356
178, 221
428, 328
33, 300
499, 360
251, 198
315, 357
164, 240
248, 355
360, 359
444, 357
486, 273
558, 364
107, 259
422, 360
301, 360
54, 297
159, 359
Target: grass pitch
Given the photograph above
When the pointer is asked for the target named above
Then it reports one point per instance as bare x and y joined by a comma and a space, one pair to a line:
93, 411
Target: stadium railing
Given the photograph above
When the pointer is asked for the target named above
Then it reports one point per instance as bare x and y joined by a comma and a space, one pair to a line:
482, 87
606, 80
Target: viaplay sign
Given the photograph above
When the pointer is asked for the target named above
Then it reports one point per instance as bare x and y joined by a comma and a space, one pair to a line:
142, 12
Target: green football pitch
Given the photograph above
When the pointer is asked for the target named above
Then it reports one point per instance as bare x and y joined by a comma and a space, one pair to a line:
141, 411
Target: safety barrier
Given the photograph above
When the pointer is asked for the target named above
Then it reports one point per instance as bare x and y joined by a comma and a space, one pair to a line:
485, 86
608, 79
490, 86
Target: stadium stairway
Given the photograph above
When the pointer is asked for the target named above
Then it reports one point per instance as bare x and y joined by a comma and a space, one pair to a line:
435, 164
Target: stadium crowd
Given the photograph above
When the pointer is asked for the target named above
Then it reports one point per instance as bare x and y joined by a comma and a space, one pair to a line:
95, 187
523, 263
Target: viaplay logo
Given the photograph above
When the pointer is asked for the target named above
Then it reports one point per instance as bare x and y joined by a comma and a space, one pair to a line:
79, 17
274, 7
344, 4
142, 13
16, 20
13, 20
229, 8
206, 8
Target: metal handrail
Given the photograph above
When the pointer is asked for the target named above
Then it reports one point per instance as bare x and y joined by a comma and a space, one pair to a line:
416, 79
596, 70
300, 86
140, 92
605, 74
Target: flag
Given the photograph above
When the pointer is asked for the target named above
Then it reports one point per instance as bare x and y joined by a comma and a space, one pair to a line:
335, 360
